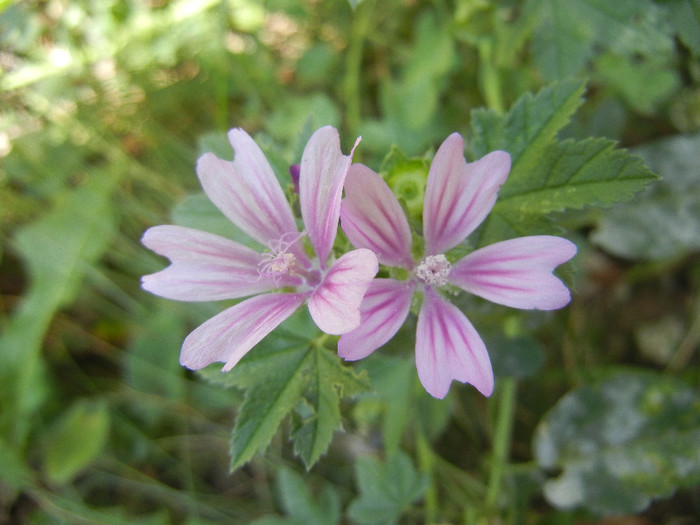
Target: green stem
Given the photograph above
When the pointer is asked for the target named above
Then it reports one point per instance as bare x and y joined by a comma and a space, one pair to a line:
501, 441
353, 64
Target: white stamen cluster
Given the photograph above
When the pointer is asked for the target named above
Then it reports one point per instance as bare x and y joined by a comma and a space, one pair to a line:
433, 270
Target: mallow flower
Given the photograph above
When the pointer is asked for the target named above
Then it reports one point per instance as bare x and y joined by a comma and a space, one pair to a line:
281, 276
458, 197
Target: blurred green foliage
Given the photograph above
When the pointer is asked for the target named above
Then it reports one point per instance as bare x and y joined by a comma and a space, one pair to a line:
104, 108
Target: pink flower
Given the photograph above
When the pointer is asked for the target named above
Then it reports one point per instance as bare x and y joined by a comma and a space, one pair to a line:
515, 273
206, 267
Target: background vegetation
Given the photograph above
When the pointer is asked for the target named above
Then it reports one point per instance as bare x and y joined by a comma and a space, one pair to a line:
105, 106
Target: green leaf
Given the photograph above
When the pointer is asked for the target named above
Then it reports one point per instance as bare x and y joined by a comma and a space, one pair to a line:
300, 506
549, 175
329, 381
570, 31
58, 249
386, 489
530, 126
284, 370
685, 18
76, 440
267, 401
665, 223
621, 443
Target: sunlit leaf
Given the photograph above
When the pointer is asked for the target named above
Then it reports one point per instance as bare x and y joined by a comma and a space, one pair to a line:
76, 440
621, 443
665, 221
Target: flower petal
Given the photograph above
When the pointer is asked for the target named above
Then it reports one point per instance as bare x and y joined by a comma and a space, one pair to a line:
228, 336
372, 218
458, 196
246, 190
384, 309
517, 272
323, 171
205, 267
448, 347
335, 304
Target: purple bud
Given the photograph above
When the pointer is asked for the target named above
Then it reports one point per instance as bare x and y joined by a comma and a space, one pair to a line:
294, 171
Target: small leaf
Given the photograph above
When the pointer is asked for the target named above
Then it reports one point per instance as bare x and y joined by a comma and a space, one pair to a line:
279, 373
620, 443
329, 381
300, 506
267, 402
386, 489
76, 440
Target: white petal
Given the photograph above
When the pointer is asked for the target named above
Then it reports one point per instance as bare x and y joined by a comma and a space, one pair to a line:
517, 272
246, 190
449, 348
335, 303
384, 309
228, 336
323, 171
205, 267
372, 218
458, 196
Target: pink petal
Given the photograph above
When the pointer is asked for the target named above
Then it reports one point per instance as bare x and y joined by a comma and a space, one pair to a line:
384, 309
458, 195
205, 267
335, 304
228, 336
246, 190
372, 218
323, 171
448, 347
517, 272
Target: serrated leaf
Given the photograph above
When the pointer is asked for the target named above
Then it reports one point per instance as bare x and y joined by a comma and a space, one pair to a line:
621, 443
574, 174
549, 175
329, 381
386, 489
267, 402
76, 440
285, 369
529, 127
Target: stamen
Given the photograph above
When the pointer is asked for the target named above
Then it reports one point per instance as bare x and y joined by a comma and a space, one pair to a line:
278, 262
433, 270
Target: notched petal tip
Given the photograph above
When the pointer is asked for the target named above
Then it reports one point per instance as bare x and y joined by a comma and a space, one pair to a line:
449, 348
335, 304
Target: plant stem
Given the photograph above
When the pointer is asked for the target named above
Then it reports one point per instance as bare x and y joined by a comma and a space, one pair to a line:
501, 441
353, 64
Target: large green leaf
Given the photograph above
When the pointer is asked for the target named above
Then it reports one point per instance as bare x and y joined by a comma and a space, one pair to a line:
58, 249
76, 440
621, 443
284, 372
549, 175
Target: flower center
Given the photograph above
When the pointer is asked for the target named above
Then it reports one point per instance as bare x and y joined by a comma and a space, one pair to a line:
278, 262
433, 270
